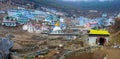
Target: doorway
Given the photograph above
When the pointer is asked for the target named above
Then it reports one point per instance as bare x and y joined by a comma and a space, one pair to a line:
101, 41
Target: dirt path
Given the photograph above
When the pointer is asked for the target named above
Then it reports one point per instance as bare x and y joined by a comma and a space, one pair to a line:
110, 53
113, 53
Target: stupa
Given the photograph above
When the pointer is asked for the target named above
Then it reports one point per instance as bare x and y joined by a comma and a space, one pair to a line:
57, 29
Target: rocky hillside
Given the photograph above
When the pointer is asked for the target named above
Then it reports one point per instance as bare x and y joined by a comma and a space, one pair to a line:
115, 32
106, 6
78, 8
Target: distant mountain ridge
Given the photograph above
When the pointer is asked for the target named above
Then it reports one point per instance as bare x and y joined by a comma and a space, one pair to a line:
115, 5
107, 6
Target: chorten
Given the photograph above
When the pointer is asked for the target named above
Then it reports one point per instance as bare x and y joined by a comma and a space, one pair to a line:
57, 29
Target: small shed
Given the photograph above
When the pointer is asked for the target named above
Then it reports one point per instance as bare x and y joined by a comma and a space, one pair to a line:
98, 37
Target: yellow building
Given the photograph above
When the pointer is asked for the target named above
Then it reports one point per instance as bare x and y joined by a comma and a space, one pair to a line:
98, 37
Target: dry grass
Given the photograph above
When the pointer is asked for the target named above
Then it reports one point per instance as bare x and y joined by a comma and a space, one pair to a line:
98, 54
81, 56
113, 53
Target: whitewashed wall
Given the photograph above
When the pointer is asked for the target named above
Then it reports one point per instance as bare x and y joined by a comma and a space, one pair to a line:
92, 40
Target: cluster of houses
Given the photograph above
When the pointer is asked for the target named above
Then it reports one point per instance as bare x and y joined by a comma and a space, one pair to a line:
9, 21
101, 22
53, 22
45, 17
31, 18
36, 28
